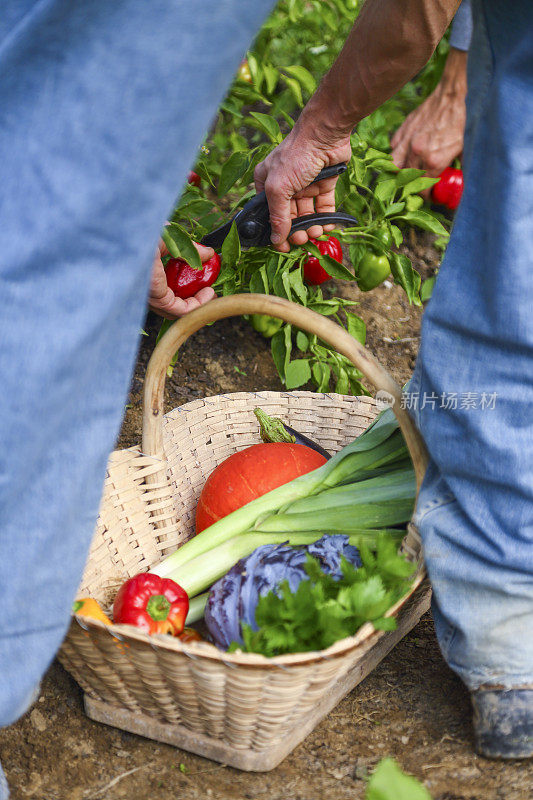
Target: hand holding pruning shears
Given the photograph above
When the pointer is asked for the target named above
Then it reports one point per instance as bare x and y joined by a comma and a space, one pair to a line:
288, 176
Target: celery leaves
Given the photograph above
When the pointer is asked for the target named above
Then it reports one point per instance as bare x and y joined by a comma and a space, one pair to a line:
323, 610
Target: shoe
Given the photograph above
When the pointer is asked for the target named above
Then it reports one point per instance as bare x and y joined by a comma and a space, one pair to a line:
503, 722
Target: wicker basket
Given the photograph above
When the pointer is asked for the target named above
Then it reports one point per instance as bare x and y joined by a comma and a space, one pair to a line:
240, 709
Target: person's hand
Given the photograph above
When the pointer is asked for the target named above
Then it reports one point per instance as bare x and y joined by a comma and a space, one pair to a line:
285, 176
432, 135
162, 299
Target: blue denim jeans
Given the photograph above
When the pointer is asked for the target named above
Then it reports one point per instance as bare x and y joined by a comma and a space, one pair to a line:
102, 109
475, 509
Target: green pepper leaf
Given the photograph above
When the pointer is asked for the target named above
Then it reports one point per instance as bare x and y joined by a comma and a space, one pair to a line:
343, 188
271, 77
394, 208
231, 248
297, 373
257, 155
298, 286
405, 176
405, 276
256, 71
281, 347
418, 185
383, 164
303, 76
359, 168
180, 245
427, 288
321, 375
356, 326
282, 285
386, 189
269, 125
302, 342
342, 386
333, 267
325, 307
257, 285
424, 220
203, 172
294, 88
397, 235
228, 287
232, 170
371, 154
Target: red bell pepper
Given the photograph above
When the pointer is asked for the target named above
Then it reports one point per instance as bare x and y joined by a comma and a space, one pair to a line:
194, 178
447, 192
185, 281
153, 604
314, 272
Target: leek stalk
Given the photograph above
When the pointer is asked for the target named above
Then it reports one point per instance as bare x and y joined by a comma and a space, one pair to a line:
200, 572
378, 448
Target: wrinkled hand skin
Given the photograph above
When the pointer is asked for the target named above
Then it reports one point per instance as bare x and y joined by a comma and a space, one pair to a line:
432, 135
285, 176
162, 299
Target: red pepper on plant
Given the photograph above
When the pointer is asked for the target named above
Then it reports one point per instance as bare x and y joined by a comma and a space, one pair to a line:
185, 281
151, 603
194, 178
314, 272
447, 192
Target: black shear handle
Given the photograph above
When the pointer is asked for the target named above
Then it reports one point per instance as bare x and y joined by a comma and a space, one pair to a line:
330, 172
323, 218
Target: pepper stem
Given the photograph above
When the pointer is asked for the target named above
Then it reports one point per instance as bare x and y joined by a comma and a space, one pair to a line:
158, 607
272, 429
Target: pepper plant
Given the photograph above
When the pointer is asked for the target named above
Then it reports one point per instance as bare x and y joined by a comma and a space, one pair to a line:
295, 46
376, 193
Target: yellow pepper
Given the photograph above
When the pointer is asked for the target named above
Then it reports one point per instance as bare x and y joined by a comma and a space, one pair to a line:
87, 607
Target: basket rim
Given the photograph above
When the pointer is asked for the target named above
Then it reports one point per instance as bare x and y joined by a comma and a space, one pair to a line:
239, 658
207, 650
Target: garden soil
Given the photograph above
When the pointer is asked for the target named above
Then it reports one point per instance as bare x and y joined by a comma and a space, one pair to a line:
412, 707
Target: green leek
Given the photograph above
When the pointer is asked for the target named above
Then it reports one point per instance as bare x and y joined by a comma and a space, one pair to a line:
365, 486
200, 572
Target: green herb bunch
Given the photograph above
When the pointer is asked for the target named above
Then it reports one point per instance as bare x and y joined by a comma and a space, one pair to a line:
323, 610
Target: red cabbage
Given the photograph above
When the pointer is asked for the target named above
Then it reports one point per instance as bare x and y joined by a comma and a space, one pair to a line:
233, 599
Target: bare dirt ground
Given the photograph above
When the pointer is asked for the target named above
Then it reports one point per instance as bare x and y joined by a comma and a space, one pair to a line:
412, 707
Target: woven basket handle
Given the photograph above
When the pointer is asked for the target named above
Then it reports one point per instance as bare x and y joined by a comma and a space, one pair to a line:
297, 315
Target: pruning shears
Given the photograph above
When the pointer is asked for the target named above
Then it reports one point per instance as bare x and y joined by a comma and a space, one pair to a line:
253, 220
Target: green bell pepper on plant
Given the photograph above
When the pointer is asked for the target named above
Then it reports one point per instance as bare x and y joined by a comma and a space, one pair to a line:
372, 270
266, 325
384, 235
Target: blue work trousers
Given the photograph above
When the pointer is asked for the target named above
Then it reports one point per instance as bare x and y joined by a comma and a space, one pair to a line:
473, 384
103, 106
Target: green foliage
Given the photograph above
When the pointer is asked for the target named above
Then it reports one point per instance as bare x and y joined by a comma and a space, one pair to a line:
323, 610
292, 51
388, 782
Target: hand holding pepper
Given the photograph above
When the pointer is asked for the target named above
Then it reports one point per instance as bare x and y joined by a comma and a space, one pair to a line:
162, 299
286, 174
432, 135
